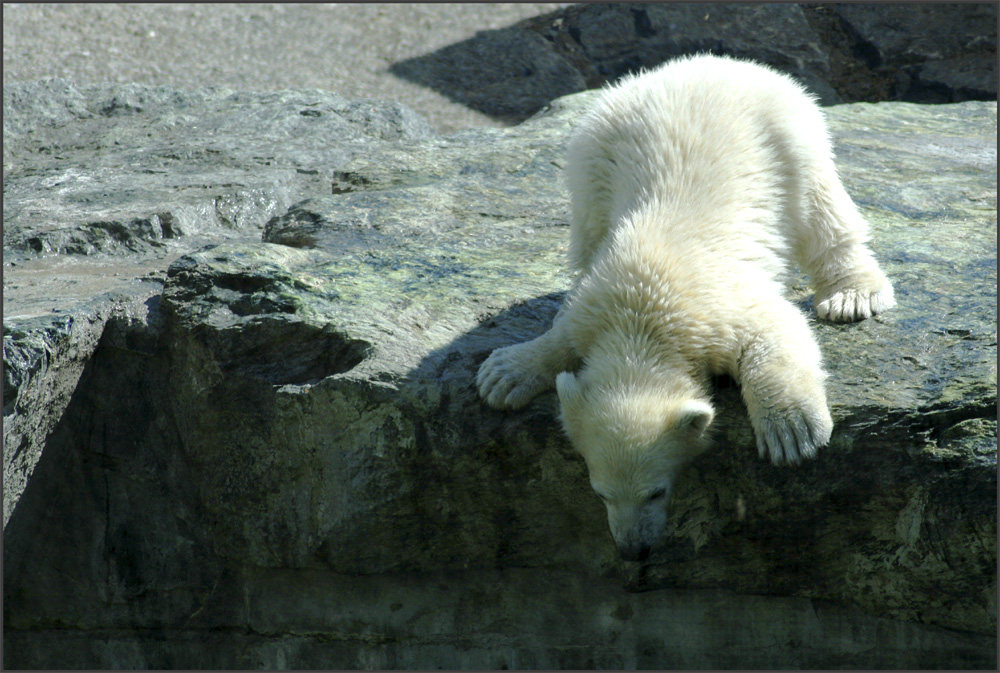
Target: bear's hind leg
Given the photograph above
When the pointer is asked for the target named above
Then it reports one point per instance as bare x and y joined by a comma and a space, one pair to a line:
782, 381
512, 376
832, 249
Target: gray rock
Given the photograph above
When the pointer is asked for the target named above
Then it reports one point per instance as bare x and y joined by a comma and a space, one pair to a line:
143, 165
280, 460
43, 361
105, 185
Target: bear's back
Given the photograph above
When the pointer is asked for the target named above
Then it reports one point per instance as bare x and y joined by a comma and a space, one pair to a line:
701, 121
714, 147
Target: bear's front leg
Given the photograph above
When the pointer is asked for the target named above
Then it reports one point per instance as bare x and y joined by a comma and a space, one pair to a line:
512, 376
782, 379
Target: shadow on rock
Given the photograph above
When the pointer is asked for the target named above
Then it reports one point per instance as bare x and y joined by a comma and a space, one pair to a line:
508, 74
511, 73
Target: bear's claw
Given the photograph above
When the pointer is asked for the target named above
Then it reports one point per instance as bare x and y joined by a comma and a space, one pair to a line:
790, 438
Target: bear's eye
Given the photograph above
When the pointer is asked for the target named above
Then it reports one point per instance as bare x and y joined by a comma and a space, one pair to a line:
657, 494
601, 496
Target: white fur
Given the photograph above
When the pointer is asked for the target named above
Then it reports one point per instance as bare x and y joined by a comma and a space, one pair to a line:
693, 186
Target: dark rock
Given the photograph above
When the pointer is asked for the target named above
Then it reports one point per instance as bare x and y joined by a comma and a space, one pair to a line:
585, 46
618, 39
952, 80
931, 53
934, 52
906, 34
279, 460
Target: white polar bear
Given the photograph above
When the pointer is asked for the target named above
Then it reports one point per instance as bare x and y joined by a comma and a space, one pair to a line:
692, 186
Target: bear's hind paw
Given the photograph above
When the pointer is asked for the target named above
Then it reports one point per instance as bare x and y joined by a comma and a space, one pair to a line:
854, 304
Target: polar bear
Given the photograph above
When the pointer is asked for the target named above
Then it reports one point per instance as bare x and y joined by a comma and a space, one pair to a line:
692, 187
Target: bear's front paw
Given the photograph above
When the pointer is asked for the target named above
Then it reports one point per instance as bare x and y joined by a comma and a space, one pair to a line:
789, 436
506, 380
857, 302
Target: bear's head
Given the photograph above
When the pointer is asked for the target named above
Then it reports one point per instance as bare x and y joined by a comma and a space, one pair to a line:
635, 440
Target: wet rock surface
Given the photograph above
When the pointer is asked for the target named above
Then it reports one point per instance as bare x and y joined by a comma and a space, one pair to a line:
265, 448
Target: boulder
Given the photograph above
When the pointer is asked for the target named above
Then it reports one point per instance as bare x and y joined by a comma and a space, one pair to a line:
266, 449
932, 53
584, 46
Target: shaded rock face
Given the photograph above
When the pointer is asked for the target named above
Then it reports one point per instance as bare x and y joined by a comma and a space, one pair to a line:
267, 451
925, 53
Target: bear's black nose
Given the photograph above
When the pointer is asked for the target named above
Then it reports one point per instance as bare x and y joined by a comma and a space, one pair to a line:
634, 553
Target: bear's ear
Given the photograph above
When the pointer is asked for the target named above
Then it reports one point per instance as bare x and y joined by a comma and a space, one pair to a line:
695, 415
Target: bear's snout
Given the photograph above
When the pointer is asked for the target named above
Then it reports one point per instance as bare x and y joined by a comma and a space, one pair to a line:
637, 528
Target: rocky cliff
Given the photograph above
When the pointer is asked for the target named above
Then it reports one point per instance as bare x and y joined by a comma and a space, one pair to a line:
241, 430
